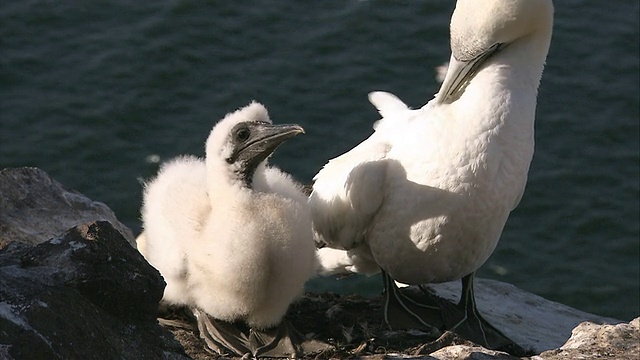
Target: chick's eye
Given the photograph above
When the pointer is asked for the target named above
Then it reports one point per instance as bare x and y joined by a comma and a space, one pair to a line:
242, 134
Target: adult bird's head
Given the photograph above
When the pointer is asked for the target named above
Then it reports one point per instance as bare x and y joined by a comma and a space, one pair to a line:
243, 140
480, 29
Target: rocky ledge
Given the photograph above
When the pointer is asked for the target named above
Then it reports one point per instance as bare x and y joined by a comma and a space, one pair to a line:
72, 286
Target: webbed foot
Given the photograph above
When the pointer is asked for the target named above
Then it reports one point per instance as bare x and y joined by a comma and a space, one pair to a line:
465, 320
238, 339
417, 308
406, 311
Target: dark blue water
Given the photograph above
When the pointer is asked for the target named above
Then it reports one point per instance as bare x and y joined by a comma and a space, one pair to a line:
92, 91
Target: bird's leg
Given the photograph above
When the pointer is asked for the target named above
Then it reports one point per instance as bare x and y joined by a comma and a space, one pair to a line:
468, 323
469, 308
403, 312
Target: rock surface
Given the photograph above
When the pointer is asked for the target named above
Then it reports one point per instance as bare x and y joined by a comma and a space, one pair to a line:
88, 294
593, 341
34, 208
85, 295
533, 322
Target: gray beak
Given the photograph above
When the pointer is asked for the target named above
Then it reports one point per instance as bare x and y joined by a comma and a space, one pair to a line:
257, 142
459, 73
265, 138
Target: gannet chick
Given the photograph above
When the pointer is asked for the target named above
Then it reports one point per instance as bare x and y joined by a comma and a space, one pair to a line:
230, 234
426, 196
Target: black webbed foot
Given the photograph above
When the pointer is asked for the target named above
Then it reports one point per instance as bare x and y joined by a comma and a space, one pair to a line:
238, 339
418, 308
406, 311
465, 320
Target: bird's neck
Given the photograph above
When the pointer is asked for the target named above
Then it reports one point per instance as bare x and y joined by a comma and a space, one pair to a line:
260, 182
504, 92
226, 179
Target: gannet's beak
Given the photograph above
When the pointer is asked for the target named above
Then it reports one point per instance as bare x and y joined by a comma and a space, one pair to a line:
263, 139
460, 72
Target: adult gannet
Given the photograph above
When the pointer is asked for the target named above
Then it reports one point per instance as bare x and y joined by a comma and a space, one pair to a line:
426, 196
230, 234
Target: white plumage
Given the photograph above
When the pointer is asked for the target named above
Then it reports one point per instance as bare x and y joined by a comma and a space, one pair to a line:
430, 191
427, 195
230, 234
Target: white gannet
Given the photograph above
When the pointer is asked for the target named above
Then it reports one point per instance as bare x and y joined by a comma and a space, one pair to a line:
230, 234
426, 196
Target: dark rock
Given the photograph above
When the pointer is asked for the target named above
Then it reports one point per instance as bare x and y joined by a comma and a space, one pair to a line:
85, 295
34, 208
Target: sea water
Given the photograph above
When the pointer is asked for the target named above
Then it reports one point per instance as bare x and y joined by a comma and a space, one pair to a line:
99, 93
